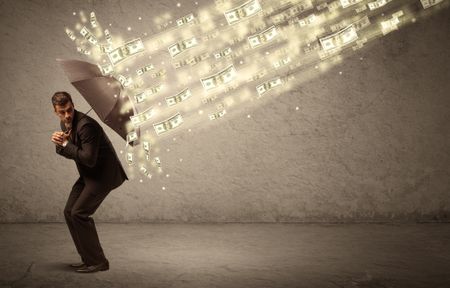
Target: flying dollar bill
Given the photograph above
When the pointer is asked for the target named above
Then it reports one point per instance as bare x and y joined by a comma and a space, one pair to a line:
307, 20
223, 77
391, 24
185, 20
88, 35
157, 161
181, 96
83, 51
269, 85
144, 69
281, 62
146, 146
144, 95
242, 12
168, 124
217, 115
361, 23
93, 20
106, 69
125, 81
144, 171
105, 48
70, 34
263, 37
179, 47
223, 53
160, 73
347, 3
377, 4
339, 39
125, 51
139, 119
130, 158
131, 137
108, 37
428, 3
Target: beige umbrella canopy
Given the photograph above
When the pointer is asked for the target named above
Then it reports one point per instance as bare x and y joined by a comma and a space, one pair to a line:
99, 91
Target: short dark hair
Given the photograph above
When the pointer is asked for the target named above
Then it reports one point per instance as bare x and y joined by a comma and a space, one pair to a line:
61, 98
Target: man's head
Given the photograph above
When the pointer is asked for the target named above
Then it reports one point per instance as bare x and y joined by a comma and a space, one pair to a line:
64, 108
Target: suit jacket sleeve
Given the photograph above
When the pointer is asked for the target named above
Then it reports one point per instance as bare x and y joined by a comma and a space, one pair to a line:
89, 137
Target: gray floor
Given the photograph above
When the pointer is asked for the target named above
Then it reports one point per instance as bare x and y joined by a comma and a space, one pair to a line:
232, 255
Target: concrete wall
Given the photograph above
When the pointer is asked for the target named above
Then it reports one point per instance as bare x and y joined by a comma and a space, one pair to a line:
369, 144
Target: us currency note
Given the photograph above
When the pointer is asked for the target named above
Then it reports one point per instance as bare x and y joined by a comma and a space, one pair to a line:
307, 20
339, 39
263, 37
125, 51
131, 137
106, 69
70, 34
125, 81
281, 62
179, 47
223, 77
168, 124
108, 37
129, 158
377, 4
144, 171
179, 97
144, 69
88, 35
144, 95
217, 115
347, 3
93, 20
244, 11
428, 3
269, 85
83, 51
223, 53
185, 20
139, 119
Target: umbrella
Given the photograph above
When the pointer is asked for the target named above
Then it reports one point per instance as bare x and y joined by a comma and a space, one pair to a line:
103, 93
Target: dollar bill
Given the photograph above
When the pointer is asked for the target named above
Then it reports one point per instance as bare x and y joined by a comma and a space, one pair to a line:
185, 20
179, 47
144, 95
146, 145
93, 20
269, 85
293, 11
105, 48
281, 62
361, 23
307, 20
129, 158
168, 124
210, 99
144, 69
157, 161
108, 37
428, 3
391, 24
223, 53
139, 119
179, 97
217, 115
339, 39
160, 73
347, 3
106, 69
244, 11
377, 4
125, 81
131, 137
145, 171
223, 77
88, 35
83, 51
70, 34
125, 51
263, 37
361, 9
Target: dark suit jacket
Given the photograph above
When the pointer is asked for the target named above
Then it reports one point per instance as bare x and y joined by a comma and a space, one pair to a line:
93, 152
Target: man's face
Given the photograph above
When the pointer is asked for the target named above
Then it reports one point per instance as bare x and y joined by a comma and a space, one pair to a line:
65, 112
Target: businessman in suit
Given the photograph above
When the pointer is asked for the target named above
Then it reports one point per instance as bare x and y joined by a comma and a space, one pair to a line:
83, 140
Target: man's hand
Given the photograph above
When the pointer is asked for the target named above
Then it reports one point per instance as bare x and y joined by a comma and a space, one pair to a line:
59, 137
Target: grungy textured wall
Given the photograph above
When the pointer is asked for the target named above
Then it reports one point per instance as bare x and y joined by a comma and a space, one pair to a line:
370, 143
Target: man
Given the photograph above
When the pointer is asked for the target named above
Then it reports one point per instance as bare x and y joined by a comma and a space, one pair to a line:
84, 141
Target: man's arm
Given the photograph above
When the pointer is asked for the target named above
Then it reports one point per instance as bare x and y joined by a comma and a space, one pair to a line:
90, 142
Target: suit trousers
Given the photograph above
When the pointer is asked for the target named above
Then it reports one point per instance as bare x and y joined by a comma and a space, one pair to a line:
83, 201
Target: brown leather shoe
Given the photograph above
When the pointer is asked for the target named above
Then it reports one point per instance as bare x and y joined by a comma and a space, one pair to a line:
94, 268
77, 265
